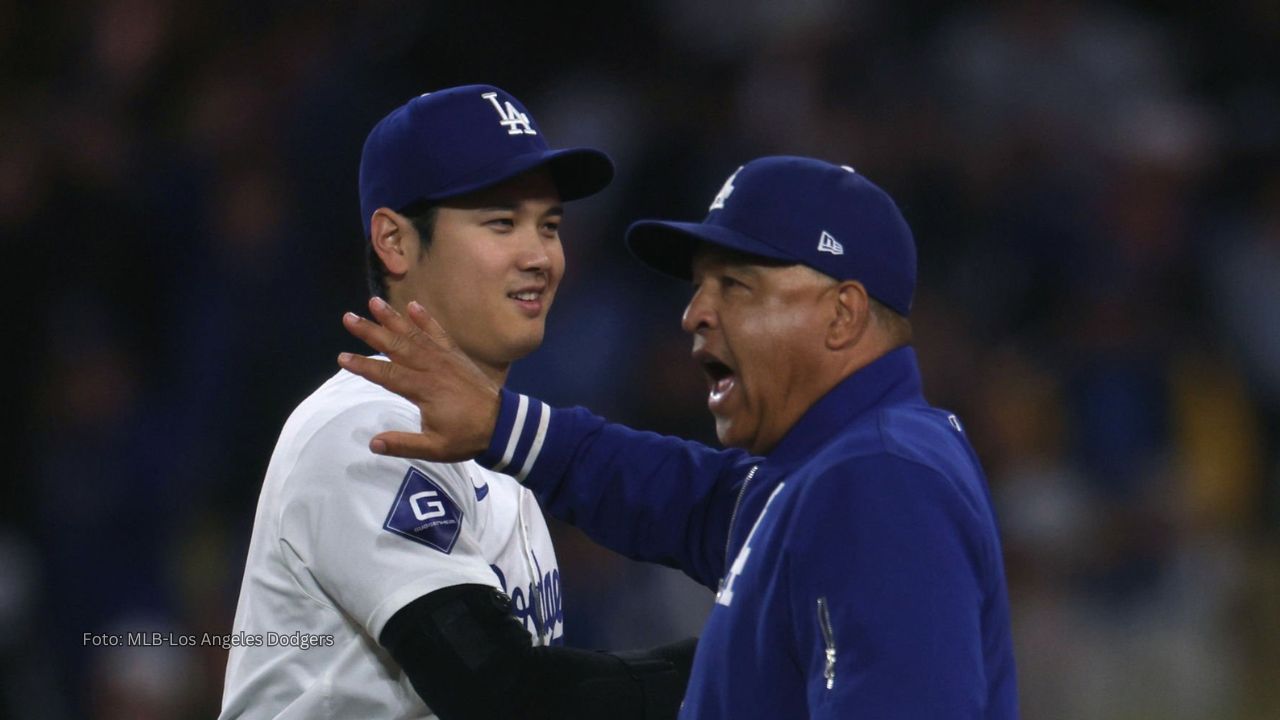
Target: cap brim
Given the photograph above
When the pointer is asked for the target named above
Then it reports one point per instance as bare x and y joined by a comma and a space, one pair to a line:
668, 247
577, 173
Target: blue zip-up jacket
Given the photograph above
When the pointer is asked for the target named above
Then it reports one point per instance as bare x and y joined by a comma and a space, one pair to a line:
858, 565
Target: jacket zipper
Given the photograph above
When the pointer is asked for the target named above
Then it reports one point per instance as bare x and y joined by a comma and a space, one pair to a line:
733, 516
829, 638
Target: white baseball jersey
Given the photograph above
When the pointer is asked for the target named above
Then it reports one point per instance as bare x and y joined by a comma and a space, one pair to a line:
344, 538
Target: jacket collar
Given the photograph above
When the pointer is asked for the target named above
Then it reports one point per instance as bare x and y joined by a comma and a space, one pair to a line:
890, 379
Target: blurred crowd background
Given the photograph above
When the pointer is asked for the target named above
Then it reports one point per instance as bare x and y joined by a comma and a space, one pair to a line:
1094, 188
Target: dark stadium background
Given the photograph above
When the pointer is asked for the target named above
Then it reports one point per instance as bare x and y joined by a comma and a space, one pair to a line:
1095, 190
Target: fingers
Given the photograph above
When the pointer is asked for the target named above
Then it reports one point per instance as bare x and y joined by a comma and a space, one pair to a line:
394, 335
388, 333
404, 334
411, 445
373, 334
389, 318
380, 372
428, 325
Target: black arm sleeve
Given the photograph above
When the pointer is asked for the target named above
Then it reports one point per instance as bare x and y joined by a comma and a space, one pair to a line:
469, 658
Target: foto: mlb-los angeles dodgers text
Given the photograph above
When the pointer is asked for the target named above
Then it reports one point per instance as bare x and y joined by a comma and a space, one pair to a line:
300, 640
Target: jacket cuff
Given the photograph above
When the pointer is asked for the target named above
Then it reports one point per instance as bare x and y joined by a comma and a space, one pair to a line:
519, 436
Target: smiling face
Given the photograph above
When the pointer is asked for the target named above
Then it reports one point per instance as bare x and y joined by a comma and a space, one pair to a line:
759, 333
490, 272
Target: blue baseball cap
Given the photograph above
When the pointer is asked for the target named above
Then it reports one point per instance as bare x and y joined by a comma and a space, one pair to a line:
796, 210
451, 142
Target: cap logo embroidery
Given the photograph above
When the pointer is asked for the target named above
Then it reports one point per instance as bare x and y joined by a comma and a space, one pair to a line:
828, 244
725, 191
513, 120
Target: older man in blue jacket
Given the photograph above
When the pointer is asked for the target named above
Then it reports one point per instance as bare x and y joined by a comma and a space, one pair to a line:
848, 533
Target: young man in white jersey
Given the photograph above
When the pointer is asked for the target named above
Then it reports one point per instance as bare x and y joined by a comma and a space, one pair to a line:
386, 588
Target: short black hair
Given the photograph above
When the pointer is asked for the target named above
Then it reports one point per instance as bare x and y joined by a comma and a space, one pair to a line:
423, 216
896, 323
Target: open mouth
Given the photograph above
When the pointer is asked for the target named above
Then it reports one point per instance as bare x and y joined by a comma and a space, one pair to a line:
721, 380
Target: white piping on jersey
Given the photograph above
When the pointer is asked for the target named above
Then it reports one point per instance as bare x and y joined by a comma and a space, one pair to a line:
517, 427
540, 620
538, 439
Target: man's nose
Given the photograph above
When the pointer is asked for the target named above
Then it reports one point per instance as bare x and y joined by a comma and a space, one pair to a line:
533, 252
699, 314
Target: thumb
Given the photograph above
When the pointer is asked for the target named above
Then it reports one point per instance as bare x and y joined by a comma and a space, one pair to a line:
414, 446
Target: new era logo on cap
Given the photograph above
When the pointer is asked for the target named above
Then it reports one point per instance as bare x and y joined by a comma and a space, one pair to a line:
828, 244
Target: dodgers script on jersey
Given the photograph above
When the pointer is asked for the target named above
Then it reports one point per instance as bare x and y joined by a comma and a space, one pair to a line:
344, 538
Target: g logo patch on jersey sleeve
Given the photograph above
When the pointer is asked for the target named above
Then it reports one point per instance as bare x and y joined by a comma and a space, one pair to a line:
424, 513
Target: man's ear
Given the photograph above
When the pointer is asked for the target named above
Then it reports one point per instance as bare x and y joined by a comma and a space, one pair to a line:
392, 236
852, 315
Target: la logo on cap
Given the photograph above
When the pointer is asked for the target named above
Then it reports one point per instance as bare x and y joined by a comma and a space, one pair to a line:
725, 191
513, 120
828, 244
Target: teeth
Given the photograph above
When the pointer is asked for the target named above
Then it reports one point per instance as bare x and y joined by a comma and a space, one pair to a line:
528, 295
721, 388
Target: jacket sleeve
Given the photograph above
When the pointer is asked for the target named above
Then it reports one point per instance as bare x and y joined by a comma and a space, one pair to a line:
886, 565
648, 496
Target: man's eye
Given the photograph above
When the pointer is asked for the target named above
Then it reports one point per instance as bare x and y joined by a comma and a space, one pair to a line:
552, 227
505, 223
729, 282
